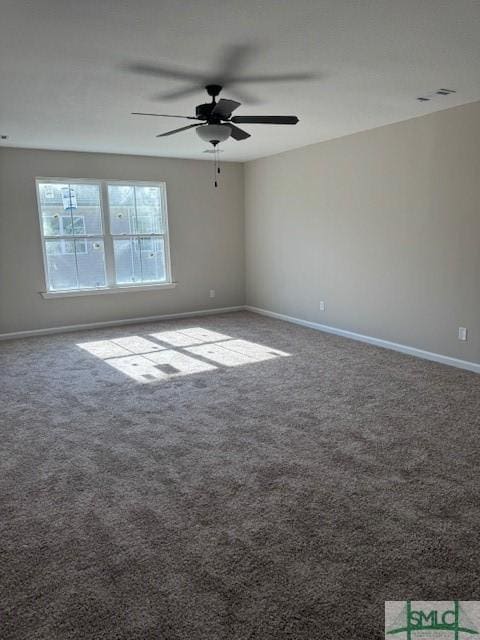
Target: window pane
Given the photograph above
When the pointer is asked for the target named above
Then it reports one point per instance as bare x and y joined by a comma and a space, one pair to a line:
121, 200
135, 209
85, 211
75, 264
153, 259
127, 260
68, 209
91, 263
51, 206
140, 260
149, 210
62, 269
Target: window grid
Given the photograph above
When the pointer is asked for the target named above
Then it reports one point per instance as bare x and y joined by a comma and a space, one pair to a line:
106, 238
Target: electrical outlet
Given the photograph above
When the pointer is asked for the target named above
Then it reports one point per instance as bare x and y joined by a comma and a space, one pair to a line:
212, 293
323, 306
462, 333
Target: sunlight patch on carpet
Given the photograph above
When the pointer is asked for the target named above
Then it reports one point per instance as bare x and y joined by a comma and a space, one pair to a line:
185, 352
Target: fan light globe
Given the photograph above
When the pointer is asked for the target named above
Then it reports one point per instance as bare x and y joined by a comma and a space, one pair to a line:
213, 133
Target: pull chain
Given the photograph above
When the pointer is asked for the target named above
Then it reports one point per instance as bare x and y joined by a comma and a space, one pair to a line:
216, 165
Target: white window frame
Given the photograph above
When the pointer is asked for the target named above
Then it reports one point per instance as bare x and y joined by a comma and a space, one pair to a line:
106, 235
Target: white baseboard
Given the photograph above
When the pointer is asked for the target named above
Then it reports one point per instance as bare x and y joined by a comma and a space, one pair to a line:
386, 344
116, 323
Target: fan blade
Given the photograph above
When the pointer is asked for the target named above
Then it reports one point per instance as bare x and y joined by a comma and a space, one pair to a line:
162, 115
265, 119
237, 133
181, 93
170, 133
281, 77
235, 57
224, 108
242, 95
166, 72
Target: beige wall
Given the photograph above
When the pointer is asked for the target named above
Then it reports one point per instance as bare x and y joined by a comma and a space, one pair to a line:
206, 238
383, 225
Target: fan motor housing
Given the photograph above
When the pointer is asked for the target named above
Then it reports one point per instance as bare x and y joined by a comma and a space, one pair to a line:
203, 111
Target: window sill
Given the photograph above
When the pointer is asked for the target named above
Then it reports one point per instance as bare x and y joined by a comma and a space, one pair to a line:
96, 292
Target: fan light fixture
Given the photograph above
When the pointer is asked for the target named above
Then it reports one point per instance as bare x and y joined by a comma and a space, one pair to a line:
214, 133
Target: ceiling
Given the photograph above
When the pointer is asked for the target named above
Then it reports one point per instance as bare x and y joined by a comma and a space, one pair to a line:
65, 83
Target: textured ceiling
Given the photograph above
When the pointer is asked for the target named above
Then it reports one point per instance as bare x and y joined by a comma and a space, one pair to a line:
65, 85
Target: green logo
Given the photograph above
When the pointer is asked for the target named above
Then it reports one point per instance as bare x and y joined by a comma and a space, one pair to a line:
431, 620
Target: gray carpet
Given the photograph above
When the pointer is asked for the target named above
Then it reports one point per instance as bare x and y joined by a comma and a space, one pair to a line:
193, 486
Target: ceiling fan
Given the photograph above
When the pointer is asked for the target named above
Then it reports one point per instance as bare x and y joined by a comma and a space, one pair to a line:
216, 123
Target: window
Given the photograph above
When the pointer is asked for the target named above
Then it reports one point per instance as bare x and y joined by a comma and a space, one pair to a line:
137, 226
103, 235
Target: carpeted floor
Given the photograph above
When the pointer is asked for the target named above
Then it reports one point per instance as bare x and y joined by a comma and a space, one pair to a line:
201, 484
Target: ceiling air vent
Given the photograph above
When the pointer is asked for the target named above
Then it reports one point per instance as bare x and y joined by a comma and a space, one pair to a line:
439, 92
